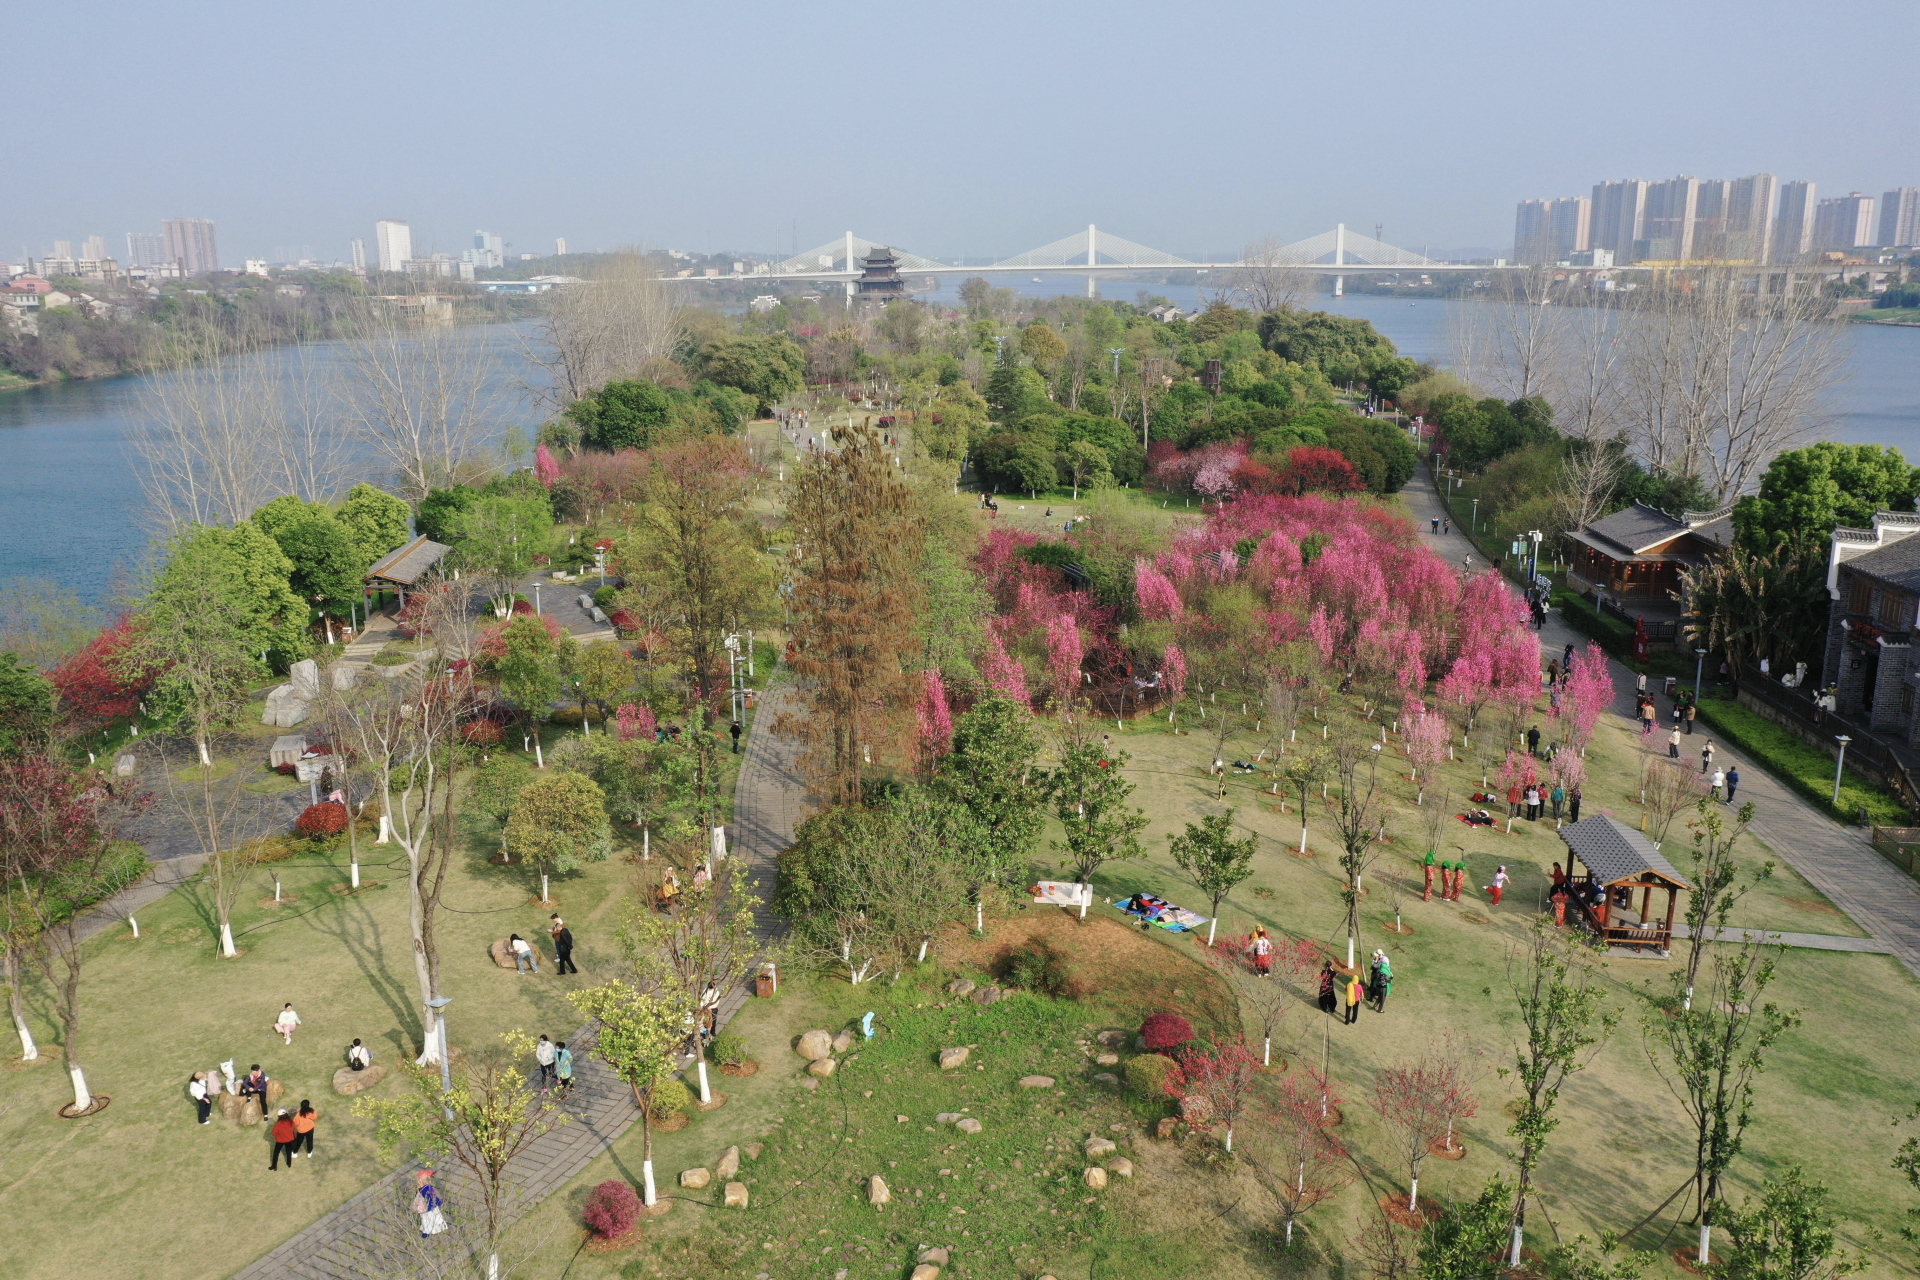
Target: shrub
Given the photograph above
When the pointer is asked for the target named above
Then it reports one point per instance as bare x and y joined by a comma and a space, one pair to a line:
1165, 1031
318, 821
1147, 1075
604, 596
272, 849
481, 733
730, 1049
569, 717
670, 1096
612, 1209
1037, 967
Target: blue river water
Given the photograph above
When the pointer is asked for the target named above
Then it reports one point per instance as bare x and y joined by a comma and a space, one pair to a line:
71, 504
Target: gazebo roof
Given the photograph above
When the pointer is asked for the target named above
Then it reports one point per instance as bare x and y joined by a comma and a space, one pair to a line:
408, 564
1615, 852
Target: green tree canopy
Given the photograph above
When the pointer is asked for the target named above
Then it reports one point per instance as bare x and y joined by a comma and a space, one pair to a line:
991, 771
499, 536
1807, 493
245, 570
529, 670
440, 512
1321, 338
559, 821
26, 707
622, 415
327, 569
375, 520
1015, 391
1040, 344
1380, 451
765, 367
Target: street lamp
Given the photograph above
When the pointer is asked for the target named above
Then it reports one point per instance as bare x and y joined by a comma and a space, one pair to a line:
439, 1006
534, 587
1699, 665
1839, 764
1476, 515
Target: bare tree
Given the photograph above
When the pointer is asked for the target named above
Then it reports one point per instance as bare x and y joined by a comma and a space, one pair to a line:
1525, 331
611, 326
421, 394
1587, 479
1587, 395
1359, 817
1267, 279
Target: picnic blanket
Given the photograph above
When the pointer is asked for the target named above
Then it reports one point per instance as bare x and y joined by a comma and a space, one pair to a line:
1058, 893
1158, 911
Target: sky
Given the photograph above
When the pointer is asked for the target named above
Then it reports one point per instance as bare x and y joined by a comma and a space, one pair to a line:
948, 130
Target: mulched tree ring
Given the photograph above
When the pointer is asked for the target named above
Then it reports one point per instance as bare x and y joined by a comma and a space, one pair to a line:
502, 860
661, 1207
283, 900
1441, 1151
550, 904
597, 1243
673, 1123
11, 1063
719, 1101
1395, 1207
1687, 1258
1295, 852
736, 1069
1402, 929
100, 1103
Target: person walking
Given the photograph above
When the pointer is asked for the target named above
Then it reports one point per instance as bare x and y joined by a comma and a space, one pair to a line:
1733, 781
1427, 866
1706, 756
1566, 659
1673, 745
1573, 804
1326, 986
1533, 804
1553, 672
543, 1053
197, 1090
1500, 881
735, 732
563, 1067
1691, 710
1355, 994
1559, 798
1646, 718
524, 957
1262, 953
1533, 741
562, 946
1640, 684
286, 1022
1515, 797
1382, 980
428, 1204
303, 1121
1436, 524
284, 1136
1718, 785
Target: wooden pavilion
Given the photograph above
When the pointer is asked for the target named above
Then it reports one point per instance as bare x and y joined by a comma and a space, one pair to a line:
403, 567
1619, 860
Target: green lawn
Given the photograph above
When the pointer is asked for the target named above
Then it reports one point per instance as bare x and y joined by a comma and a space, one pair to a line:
1806, 769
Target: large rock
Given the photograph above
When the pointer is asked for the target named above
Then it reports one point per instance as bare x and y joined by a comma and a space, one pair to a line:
1196, 1110
729, 1164
285, 708
987, 995
1120, 1167
1166, 1127
344, 676
1096, 1177
951, 1058
925, 1271
305, 677
347, 1081
823, 1067
962, 987
947, 1117
1105, 1077
502, 953
1098, 1146
126, 764
937, 1256
1036, 1082
1112, 1039
250, 1110
815, 1045
843, 1042
286, 749
877, 1192
736, 1195
968, 1125
1107, 1059
695, 1179
753, 1150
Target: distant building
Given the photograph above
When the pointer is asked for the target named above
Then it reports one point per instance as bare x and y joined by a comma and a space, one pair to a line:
1532, 236
94, 248
488, 251
1899, 217
393, 244
1667, 224
765, 302
63, 249
560, 247
1570, 225
1873, 584
191, 244
1750, 218
1793, 228
256, 267
1599, 259
1638, 554
880, 276
145, 249
1844, 222
1619, 211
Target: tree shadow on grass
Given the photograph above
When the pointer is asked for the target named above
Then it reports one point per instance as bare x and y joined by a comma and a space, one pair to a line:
351, 924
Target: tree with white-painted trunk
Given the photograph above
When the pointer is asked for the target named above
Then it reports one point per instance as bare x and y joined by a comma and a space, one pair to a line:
1298, 1159
1421, 1101
60, 846
989, 768
559, 822
1213, 860
1089, 793
1359, 816
636, 1034
1213, 1086
489, 1118
1306, 773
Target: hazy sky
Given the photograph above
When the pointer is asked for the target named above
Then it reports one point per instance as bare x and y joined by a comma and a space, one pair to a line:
984, 128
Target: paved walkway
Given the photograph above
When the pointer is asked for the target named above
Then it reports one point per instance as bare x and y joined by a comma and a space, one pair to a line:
373, 1234
1812, 941
1835, 859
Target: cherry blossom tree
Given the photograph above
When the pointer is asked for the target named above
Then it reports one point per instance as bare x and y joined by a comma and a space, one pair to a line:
1064, 651
1157, 596
935, 719
1425, 737
1212, 1088
545, 469
1468, 685
634, 720
1588, 694
1421, 1101
1173, 673
1004, 674
1264, 998
1305, 1164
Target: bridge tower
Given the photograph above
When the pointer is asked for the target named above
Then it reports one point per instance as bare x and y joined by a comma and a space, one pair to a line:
1340, 258
1093, 260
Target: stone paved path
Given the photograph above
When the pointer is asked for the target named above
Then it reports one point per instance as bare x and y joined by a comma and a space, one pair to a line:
1837, 860
374, 1234
1812, 941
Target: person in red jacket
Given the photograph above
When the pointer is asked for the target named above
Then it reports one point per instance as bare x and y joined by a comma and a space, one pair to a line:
284, 1137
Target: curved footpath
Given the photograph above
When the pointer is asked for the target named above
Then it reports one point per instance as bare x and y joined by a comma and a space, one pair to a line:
370, 1232
1837, 860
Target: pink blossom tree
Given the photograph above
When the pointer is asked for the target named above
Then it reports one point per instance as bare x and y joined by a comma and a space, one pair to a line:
1588, 695
1064, 651
1158, 598
936, 719
1425, 737
634, 720
1174, 674
1213, 1088
1004, 674
545, 469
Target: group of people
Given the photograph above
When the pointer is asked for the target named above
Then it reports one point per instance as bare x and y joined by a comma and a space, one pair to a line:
1528, 800
1344, 993
292, 1129
527, 960
1453, 877
555, 1061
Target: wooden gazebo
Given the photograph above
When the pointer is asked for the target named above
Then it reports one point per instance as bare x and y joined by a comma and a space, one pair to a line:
403, 567
1619, 860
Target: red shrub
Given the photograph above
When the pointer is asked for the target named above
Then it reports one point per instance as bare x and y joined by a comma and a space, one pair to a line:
318, 821
481, 733
1315, 470
1165, 1031
612, 1208
91, 681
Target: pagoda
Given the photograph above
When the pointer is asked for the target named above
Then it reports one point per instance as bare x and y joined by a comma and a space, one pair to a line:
880, 276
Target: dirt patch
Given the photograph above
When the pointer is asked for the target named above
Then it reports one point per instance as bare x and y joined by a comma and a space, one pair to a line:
738, 1068
1814, 905
1114, 963
1395, 1207
1474, 917
614, 1244
1402, 929
1441, 1151
283, 900
1687, 1258
673, 1123
719, 1101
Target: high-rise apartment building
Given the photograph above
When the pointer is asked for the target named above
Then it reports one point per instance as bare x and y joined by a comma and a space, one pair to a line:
95, 248
146, 249
1710, 218
1793, 227
357, 249
393, 240
63, 249
560, 247
1619, 209
1750, 210
191, 245
1844, 222
1666, 227
489, 250
1570, 223
1900, 217
1532, 236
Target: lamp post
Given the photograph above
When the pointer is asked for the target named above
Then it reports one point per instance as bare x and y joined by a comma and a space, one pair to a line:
439, 1006
534, 587
1699, 665
1839, 764
1476, 515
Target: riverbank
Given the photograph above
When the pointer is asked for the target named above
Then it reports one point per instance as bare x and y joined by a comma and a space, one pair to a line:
1894, 317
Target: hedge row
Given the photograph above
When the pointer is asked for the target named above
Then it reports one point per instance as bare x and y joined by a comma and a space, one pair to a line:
1807, 769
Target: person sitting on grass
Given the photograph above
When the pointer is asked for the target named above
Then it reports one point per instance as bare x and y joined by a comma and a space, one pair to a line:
286, 1022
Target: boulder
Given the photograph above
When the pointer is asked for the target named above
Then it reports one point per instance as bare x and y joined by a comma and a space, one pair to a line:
284, 707
815, 1045
286, 749
1167, 1127
947, 1117
599, 615
1036, 1082
936, 1256
249, 1110
1112, 1039
1097, 1147
823, 1067
843, 1042
925, 1271
305, 678
230, 1106
344, 677
1120, 1167
877, 1192
347, 1081
753, 1149
1107, 1060
125, 765
968, 1125
1105, 1077
960, 987
736, 1197
586, 601
1196, 1110
951, 1058
695, 1179
275, 1092
987, 995
502, 954
729, 1164
1095, 1177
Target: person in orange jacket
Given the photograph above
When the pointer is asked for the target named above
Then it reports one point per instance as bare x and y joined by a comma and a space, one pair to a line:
284, 1137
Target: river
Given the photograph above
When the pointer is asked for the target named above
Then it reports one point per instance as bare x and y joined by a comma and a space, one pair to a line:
72, 504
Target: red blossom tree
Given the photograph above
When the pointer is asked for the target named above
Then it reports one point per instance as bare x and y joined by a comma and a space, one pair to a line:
93, 682
935, 719
1313, 469
1421, 1101
634, 720
1307, 1164
1263, 997
1064, 651
1212, 1087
